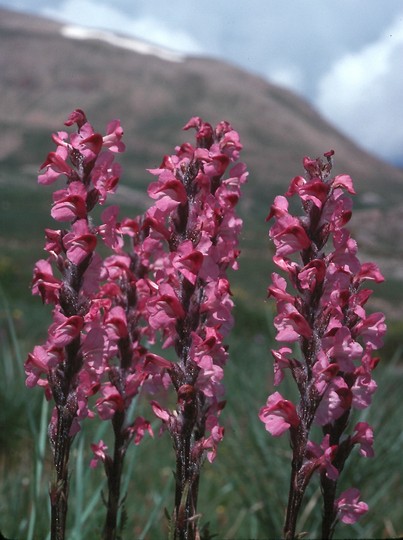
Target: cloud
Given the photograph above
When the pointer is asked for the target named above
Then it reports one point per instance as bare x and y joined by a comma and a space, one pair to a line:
165, 34
288, 75
362, 94
332, 53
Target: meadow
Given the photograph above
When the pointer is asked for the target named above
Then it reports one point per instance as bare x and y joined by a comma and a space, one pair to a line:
243, 494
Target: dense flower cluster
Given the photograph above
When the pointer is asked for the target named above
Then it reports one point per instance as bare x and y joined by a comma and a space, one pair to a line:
192, 241
166, 275
325, 315
162, 280
71, 362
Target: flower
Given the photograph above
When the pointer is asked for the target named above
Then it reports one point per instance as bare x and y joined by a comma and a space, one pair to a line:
278, 415
55, 165
281, 363
100, 454
349, 508
321, 457
39, 364
113, 137
70, 203
364, 436
105, 175
45, 283
79, 243
65, 329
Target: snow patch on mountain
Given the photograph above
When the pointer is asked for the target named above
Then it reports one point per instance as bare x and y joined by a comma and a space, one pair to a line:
136, 45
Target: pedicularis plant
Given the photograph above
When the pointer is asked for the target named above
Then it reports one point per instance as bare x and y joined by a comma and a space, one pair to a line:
325, 316
165, 276
162, 281
71, 364
192, 240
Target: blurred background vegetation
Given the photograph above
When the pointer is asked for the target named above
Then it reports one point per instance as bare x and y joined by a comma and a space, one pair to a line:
243, 493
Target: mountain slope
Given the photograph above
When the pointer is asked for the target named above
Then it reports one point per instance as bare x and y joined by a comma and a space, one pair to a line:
45, 75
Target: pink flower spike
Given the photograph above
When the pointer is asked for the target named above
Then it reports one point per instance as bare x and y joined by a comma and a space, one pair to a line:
349, 509
278, 415
322, 312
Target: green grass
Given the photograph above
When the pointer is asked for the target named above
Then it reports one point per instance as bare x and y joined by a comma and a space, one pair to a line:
242, 494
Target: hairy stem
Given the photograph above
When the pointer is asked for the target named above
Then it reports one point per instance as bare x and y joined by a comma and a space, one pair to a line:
64, 384
329, 495
114, 474
60, 486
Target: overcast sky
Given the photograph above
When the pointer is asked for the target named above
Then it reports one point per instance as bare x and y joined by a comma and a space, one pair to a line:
344, 56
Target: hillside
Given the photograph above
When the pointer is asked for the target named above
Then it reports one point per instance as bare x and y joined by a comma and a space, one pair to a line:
46, 72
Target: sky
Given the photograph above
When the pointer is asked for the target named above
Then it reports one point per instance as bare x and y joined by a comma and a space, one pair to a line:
345, 57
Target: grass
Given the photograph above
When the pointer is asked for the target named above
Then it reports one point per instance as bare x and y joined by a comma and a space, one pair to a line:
242, 495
